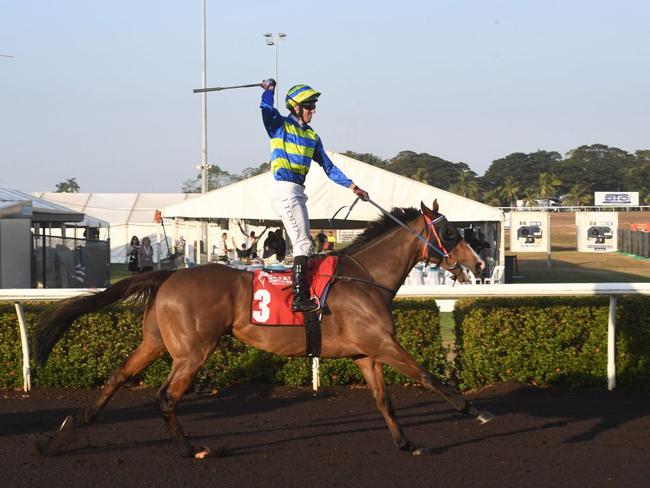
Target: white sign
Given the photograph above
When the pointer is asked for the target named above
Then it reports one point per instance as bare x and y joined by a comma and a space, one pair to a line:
617, 198
597, 231
529, 232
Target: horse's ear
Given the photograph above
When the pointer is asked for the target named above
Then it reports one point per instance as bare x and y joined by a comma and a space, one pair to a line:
432, 212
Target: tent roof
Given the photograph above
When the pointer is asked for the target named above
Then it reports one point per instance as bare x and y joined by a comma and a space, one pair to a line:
249, 199
118, 208
17, 204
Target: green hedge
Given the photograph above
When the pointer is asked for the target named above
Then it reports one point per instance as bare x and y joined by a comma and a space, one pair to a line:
551, 341
99, 342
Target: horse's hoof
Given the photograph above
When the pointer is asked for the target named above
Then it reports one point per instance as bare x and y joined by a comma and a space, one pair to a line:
484, 417
68, 424
203, 453
421, 451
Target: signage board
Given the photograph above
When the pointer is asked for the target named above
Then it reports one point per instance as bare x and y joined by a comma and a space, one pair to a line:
617, 198
529, 232
597, 231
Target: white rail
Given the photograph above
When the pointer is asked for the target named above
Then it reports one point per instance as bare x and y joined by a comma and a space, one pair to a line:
613, 290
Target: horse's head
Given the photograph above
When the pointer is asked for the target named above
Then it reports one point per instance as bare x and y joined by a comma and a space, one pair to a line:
447, 248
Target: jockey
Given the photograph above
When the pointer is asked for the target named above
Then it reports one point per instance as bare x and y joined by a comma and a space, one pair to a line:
294, 144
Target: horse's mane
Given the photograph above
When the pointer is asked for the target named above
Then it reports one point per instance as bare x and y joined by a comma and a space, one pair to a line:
379, 227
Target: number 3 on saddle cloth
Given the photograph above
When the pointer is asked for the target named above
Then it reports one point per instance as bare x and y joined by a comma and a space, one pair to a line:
273, 293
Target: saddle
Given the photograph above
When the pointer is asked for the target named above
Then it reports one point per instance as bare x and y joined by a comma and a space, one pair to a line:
272, 294
272, 298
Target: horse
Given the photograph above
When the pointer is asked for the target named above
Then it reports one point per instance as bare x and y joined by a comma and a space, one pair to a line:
188, 310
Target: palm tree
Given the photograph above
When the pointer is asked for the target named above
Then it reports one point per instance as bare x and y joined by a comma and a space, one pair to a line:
547, 184
530, 194
491, 197
578, 195
466, 185
509, 191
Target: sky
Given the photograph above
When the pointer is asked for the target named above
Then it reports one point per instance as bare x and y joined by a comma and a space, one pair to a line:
102, 91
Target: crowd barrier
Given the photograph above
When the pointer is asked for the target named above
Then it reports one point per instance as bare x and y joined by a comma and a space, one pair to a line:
613, 290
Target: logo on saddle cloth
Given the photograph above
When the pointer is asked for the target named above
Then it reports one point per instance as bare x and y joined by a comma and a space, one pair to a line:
273, 292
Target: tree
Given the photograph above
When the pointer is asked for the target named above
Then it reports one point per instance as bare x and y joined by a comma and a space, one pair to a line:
216, 179
521, 167
427, 168
530, 194
248, 172
367, 158
577, 195
598, 166
547, 184
68, 186
466, 185
509, 190
491, 197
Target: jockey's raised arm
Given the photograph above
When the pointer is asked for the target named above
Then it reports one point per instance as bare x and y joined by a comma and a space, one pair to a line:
294, 145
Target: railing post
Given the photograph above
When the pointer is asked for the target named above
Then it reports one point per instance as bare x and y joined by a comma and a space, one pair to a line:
27, 377
315, 374
611, 344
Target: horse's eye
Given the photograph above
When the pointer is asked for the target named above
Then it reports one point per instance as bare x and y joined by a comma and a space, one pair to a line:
449, 233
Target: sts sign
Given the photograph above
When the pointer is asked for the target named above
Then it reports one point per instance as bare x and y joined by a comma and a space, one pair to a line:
617, 198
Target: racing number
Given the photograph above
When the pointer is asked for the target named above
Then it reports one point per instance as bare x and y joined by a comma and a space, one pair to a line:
262, 299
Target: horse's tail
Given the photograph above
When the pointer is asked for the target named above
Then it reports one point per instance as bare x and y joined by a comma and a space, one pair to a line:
144, 287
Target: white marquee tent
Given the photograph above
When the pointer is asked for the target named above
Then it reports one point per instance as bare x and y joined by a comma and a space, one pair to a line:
249, 199
127, 213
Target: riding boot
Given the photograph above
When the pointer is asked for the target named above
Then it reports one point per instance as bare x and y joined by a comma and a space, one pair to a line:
301, 300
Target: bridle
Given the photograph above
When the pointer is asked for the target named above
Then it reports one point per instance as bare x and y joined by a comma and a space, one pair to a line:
439, 246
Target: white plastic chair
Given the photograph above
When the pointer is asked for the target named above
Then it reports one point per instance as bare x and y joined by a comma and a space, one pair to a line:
497, 275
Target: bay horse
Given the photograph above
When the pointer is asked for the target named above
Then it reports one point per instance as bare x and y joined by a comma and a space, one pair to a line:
188, 310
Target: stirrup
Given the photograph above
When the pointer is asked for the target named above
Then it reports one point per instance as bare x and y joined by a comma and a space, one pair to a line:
305, 306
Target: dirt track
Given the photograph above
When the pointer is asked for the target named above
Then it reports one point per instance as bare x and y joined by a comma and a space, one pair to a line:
284, 437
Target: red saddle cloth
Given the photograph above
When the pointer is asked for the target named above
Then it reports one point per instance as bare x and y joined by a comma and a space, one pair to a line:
273, 292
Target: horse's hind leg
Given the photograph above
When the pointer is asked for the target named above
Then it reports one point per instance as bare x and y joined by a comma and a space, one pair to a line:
179, 380
373, 372
394, 355
150, 349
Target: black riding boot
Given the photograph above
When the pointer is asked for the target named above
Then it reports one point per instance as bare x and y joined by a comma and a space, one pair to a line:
301, 300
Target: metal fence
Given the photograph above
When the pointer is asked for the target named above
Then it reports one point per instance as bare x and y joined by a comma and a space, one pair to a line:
66, 262
634, 242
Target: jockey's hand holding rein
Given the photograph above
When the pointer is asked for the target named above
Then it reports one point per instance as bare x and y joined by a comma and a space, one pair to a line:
362, 194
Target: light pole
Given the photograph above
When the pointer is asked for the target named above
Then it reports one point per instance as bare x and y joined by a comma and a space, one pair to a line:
204, 111
204, 136
274, 40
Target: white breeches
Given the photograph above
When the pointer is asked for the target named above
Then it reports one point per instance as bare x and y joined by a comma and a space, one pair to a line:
290, 203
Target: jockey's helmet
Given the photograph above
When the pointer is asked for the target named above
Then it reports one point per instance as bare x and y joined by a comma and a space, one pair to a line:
300, 94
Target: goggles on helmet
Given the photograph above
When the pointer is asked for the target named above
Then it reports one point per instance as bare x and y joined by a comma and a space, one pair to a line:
301, 95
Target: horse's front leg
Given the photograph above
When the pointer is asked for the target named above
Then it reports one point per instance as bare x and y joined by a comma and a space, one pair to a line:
374, 374
394, 355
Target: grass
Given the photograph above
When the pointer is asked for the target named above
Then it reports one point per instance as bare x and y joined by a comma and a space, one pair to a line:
118, 271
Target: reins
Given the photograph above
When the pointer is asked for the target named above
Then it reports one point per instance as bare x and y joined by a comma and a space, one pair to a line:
430, 230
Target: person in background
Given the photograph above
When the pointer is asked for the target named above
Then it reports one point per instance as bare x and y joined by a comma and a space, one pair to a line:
321, 239
179, 252
223, 251
251, 240
294, 145
132, 255
331, 241
145, 256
